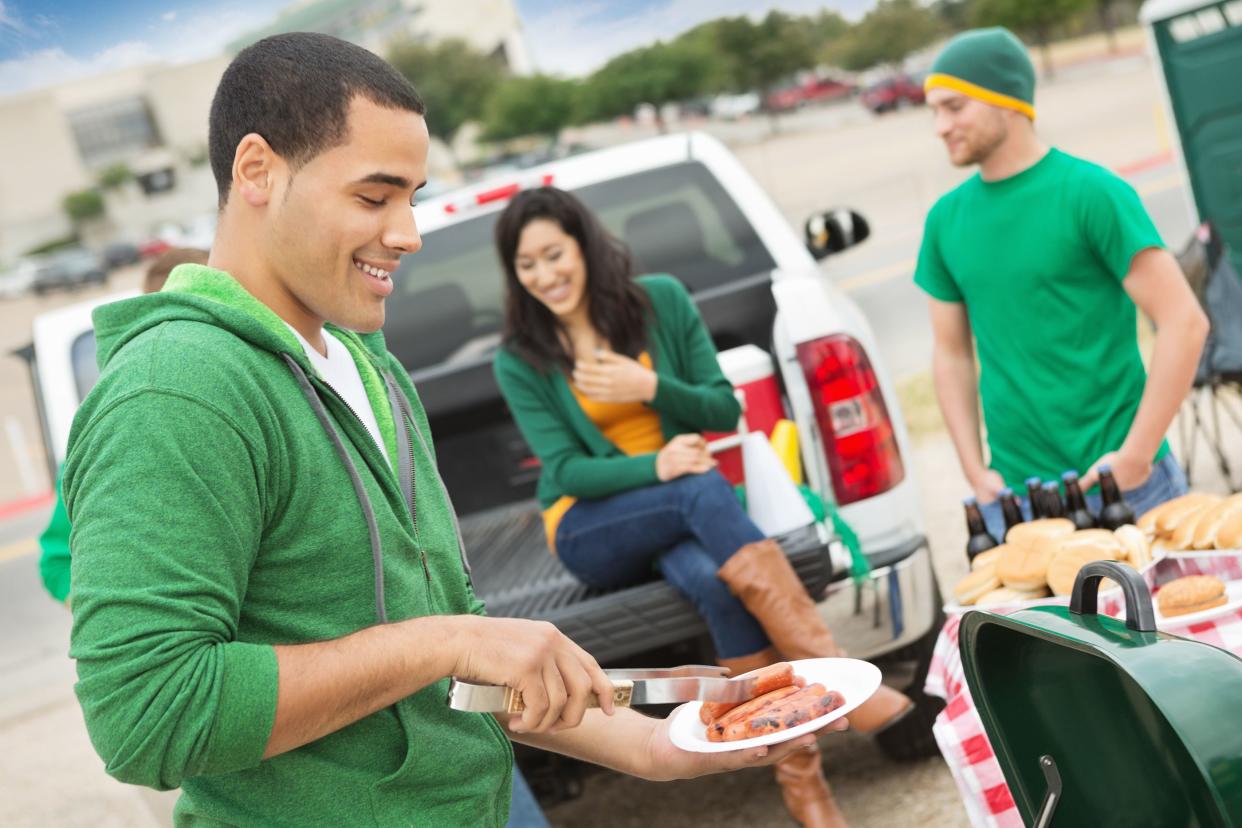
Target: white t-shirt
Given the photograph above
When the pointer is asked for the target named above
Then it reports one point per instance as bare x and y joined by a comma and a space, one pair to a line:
339, 370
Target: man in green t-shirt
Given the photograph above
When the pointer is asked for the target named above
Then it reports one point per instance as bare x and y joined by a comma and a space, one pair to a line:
1041, 258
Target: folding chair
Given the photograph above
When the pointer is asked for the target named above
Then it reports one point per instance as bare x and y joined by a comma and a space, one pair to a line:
1218, 380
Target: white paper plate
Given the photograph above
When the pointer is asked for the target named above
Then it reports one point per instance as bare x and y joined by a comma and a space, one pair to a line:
1233, 596
855, 680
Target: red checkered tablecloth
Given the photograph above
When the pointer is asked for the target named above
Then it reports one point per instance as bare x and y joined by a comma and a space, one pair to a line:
959, 730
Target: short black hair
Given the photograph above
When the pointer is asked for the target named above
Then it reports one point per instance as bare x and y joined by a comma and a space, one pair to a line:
295, 89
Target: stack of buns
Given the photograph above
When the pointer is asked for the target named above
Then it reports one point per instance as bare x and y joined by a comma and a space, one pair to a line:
1043, 555
1196, 521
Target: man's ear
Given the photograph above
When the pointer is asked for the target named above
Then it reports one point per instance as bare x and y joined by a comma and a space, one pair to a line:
254, 167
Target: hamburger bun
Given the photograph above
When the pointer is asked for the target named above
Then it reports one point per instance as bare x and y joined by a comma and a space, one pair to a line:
1210, 523
1024, 568
1063, 570
1134, 543
1005, 595
978, 583
1027, 533
1193, 593
988, 557
1103, 543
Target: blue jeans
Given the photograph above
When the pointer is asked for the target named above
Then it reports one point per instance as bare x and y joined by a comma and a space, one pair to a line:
524, 810
1166, 482
688, 528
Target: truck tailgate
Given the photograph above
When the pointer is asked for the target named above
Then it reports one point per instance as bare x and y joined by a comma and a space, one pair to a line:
517, 577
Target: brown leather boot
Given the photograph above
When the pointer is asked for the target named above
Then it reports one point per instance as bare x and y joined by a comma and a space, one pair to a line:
806, 791
760, 576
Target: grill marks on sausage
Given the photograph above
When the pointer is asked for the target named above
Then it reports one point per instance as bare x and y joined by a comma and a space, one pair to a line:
784, 702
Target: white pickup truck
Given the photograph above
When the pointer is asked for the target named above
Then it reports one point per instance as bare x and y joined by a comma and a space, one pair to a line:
686, 206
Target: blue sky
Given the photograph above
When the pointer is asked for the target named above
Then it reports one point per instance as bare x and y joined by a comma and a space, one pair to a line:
43, 42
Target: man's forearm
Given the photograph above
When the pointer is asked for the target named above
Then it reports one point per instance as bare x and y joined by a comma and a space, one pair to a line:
327, 685
1173, 363
955, 380
620, 742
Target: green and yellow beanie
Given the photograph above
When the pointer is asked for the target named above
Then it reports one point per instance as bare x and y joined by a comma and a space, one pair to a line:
988, 64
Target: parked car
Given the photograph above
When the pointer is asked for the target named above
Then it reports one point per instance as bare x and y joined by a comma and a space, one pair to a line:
685, 206
814, 90
69, 268
732, 107
892, 93
120, 254
152, 247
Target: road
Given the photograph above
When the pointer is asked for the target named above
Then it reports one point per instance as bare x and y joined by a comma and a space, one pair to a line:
892, 170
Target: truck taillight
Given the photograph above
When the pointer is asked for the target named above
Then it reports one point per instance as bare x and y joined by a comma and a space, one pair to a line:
859, 441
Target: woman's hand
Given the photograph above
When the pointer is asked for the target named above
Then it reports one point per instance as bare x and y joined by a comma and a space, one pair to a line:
614, 378
684, 454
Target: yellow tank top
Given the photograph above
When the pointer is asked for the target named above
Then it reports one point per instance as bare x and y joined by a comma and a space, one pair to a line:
631, 427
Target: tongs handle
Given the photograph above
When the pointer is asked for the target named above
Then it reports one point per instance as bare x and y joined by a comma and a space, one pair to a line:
684, 671
622, 693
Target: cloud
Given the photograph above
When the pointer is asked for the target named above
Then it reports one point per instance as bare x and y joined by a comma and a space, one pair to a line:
576, 39
168, 16
185, 39
47, 67
11, 21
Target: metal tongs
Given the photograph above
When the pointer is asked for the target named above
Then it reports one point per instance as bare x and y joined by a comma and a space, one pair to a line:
690, 682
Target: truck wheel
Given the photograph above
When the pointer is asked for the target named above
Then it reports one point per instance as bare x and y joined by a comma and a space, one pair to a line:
911, 738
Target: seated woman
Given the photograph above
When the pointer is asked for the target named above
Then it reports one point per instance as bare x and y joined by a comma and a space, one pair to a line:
611, 380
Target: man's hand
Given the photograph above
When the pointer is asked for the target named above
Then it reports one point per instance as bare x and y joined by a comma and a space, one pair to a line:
684, 454
1129, 471
614, 378
555, 676
987, 486
666, 762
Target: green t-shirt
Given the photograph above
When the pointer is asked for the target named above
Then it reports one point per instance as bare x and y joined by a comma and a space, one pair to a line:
1038, 258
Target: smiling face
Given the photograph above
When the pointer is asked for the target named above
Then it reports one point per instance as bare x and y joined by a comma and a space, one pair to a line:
971, 129
549, 265
336, 227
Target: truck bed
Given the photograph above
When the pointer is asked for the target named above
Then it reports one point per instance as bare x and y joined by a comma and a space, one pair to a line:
518, 577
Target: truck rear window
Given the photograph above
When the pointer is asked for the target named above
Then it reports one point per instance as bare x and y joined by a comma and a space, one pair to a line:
447, 305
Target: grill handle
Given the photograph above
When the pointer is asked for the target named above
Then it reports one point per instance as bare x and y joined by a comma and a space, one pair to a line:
1140, 616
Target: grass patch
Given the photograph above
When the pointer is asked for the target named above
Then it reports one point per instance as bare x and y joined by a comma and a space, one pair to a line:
917, 397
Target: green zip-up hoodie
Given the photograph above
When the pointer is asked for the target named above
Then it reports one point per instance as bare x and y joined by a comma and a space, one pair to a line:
213, 517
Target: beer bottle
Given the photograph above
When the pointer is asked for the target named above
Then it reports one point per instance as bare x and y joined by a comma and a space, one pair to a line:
979, 540
1054, 507
1034, 497
1114, 511
1011, 509
1075, 503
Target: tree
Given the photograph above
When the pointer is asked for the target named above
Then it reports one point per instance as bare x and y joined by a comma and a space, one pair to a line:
656, 75
1036, 20
114, 176
453, 80
83, 205
888, 33
534, 105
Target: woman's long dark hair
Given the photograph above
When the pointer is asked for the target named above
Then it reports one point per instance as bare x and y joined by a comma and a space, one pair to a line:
616, 304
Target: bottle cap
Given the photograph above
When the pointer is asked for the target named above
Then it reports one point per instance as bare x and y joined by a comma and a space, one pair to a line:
1104, 468
1067, 476
1006, 492
1032, 479
970, 500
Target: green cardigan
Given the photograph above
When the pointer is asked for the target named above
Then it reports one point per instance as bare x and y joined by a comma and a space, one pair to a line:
692, 395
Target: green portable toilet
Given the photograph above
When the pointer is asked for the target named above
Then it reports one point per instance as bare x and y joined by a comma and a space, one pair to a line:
1199, 46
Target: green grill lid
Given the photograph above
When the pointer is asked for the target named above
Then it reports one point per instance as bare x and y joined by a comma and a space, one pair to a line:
1099, 722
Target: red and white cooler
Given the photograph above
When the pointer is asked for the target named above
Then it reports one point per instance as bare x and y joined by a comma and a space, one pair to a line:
753, 375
